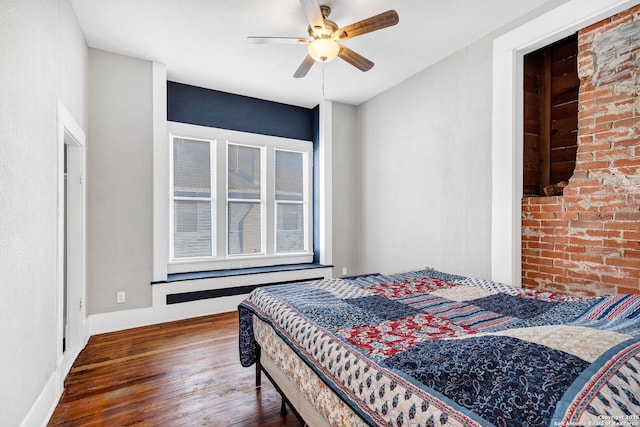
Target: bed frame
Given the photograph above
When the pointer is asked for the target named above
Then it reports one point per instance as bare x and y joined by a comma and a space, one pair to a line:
302, 409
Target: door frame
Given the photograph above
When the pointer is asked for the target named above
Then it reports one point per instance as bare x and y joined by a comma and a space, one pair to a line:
71, 211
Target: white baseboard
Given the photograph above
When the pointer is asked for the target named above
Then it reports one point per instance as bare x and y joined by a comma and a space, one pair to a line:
127, 319
46, 402
44, 405
161, 312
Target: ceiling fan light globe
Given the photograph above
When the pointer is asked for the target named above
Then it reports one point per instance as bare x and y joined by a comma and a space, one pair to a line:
323, 50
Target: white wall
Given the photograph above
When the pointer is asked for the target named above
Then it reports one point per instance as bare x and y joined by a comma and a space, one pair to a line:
120, 187
345, 193
44, 59
426, 168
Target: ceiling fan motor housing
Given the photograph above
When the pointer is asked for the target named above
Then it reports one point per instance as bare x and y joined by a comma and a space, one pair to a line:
330, 27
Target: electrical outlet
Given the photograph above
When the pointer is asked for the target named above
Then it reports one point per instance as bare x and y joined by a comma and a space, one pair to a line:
121, 297
344, 271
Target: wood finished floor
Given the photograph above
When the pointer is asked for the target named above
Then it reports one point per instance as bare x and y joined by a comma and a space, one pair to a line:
184, 373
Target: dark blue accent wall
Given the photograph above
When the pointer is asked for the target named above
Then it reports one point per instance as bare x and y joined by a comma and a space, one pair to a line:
213, 108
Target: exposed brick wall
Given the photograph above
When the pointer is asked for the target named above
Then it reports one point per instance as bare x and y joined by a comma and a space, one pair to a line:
587, 242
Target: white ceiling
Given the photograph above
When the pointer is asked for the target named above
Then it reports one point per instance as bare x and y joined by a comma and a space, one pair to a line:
203, 42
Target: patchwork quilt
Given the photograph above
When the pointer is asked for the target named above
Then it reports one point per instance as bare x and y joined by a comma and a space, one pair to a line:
426, 348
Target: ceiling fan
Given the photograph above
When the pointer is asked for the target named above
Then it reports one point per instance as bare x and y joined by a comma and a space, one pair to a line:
324, 35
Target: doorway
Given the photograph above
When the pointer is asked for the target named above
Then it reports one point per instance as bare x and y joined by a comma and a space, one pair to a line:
71, 283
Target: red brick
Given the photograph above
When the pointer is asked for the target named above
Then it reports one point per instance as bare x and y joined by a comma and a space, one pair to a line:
591, 166
616, 117
541, 261
614, 134
540, 245
630, 272
608, 234
628, 122
593, 146
556, 207
628, 290
631, 142
627, 163
543, 200
585, 139
584, 157
594, 129
568, 216
609, 199
554, 254
631, 235
598, 250
555, 238
595, 94
623, 225
621, 244
628, 216
586, 258
595, 110
552, 270
583, 275
622, 153
621, 262
632, 254
593, 190
595, 215
587, 224
613, 207
530, 223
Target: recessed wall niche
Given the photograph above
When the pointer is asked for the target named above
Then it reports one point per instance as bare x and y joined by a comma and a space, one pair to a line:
551, 86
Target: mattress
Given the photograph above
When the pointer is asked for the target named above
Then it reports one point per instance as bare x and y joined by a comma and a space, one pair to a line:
428, 348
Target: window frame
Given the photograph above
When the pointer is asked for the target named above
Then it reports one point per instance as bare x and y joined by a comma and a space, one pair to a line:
305, 202
220, 138
172, 197
261, 201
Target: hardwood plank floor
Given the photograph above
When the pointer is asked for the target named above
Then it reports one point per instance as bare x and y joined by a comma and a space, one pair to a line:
184, 373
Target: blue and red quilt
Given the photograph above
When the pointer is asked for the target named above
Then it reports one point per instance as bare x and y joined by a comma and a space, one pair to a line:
426, 348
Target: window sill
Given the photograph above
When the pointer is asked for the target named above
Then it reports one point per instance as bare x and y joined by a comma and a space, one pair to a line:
197, 275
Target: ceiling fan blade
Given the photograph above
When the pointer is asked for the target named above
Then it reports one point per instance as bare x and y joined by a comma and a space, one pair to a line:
277, 40
304, 68
355, 59
377, 22
312, 11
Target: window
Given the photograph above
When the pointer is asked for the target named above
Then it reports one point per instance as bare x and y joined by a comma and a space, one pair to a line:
238, 200
192, 199
290, 218
244, 200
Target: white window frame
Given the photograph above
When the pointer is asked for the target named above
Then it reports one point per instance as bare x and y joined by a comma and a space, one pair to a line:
261, 201
211, 199
306, 199
268, 144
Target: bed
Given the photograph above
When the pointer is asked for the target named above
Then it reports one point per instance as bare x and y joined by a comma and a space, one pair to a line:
427, 348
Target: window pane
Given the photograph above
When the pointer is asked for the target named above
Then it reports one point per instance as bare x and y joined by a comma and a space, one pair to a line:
289, 180
290, 227
245, 228
191, 168
192, 229
243, 172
